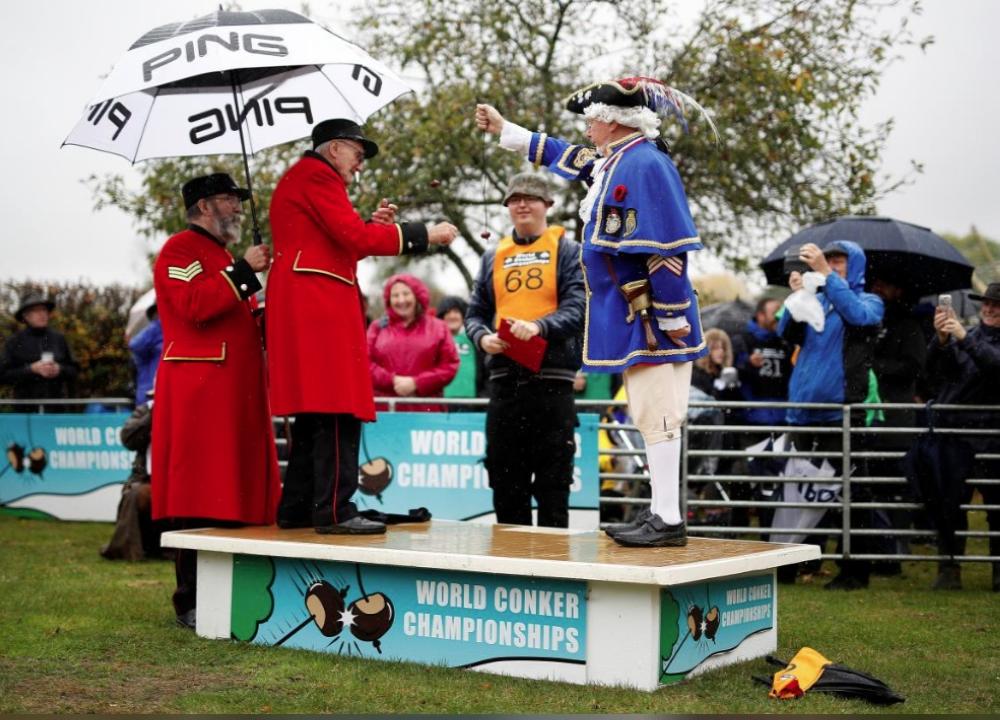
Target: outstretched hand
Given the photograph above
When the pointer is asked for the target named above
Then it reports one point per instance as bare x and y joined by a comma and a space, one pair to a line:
488, 119
441, 234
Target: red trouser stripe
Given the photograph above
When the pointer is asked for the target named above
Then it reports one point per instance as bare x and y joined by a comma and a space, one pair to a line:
336, 460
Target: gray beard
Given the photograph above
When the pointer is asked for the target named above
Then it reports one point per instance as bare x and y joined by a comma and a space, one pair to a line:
229, 228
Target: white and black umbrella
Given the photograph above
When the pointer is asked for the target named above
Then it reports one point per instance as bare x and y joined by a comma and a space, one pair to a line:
231, 82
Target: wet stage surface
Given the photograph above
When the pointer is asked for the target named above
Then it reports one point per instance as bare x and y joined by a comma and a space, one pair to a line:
505, 549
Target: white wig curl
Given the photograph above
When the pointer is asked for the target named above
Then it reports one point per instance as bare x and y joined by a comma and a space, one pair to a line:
641, 118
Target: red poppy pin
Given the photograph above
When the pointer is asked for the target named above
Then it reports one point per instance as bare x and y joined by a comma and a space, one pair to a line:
620, 192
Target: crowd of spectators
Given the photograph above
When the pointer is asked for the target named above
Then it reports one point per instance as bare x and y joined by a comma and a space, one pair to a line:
883, 354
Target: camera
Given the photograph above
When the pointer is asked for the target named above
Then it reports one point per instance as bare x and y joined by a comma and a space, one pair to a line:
792, 262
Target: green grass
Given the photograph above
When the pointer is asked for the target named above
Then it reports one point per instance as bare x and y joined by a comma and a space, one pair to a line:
84, 635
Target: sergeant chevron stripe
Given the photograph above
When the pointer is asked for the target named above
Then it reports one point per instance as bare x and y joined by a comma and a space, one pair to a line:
185, 274
655, 262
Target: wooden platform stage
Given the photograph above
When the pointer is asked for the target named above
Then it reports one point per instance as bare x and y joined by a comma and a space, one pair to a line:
533, 602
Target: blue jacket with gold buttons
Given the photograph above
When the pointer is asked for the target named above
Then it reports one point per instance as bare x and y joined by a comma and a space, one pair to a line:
638, 226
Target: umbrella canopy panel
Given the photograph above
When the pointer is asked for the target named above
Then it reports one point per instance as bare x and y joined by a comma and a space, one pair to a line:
184, 122
201, 52
907, 255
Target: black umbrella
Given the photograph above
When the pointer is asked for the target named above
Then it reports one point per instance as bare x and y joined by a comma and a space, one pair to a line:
732, 317
906, 255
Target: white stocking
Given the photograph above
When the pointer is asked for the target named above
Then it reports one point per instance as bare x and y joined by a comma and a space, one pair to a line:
664, 460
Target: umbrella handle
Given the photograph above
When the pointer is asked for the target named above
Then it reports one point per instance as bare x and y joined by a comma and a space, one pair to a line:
233, 74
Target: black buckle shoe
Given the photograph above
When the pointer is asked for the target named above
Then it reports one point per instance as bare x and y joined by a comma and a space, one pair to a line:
357, 525
654, 533
618, 528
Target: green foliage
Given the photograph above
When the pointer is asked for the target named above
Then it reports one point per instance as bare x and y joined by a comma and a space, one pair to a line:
784, 80
93, 320
981, 251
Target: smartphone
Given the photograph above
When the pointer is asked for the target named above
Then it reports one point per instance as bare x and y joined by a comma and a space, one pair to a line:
792, 261
944, 301
48, 357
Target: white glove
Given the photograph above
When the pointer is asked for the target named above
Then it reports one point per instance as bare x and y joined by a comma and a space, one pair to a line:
671, 323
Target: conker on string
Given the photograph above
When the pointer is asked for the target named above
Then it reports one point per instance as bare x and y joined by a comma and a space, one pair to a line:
325, 604
485, 234
435, 183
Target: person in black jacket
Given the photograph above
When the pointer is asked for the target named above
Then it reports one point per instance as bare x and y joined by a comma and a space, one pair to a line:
533, 279
900, 354
37, 361
966, 363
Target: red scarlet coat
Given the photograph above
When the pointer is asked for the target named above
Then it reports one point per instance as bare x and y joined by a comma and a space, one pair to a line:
423, 350
316, 348
213, 444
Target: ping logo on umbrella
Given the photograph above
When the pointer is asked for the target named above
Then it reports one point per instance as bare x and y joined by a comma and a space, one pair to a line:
253, 43
264, 111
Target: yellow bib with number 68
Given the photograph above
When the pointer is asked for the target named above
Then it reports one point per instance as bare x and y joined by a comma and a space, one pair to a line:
525, 276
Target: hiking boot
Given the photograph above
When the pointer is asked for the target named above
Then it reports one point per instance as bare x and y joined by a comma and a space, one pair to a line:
845, 582
633, 524
654, 533
357, 525
949, 577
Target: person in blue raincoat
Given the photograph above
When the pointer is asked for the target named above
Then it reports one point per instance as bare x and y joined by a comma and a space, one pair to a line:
642, 316
834, 366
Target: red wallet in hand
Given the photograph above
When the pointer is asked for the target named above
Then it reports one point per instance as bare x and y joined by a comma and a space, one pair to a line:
525, 352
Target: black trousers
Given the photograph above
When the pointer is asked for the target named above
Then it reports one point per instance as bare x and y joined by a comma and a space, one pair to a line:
186, 562
530, 446
950, 544
860, 518
322, 474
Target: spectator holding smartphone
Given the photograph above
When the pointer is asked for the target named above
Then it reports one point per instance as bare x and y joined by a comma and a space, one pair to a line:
966, 364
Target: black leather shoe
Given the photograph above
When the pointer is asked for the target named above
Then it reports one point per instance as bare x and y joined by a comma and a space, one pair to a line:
357, 525
292, 524
186, 620
618, 528
654, 533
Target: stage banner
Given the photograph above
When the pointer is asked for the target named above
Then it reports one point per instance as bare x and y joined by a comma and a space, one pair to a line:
703, 620
435, 617
435, 460
65, 466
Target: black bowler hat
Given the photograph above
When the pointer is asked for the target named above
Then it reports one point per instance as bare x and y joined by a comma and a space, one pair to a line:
209, 185
341, 129
992, 293
32, 300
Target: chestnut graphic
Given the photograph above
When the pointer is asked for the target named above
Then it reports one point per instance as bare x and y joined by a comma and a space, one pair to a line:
694, 622
326, 607
37, 460
712, 623
15, 457
373, 616
375, 476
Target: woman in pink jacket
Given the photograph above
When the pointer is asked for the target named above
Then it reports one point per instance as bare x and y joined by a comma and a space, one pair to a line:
412, 352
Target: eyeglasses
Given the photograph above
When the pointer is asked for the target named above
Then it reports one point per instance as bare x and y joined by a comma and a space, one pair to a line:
526, 199
227, 197
359, 154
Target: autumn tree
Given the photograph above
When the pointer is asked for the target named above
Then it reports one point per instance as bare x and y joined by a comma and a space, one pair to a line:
784, 81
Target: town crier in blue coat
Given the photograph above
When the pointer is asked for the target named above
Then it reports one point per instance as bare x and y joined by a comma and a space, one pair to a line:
642, 313
214, 460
